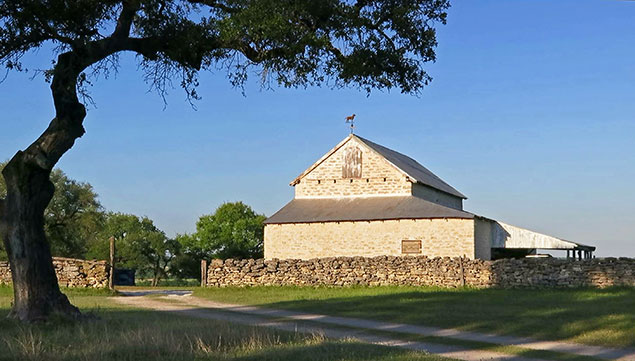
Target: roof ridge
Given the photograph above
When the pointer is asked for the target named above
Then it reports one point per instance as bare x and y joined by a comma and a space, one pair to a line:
416, 170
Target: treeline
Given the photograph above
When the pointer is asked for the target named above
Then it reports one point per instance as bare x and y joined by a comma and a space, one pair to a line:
78, 226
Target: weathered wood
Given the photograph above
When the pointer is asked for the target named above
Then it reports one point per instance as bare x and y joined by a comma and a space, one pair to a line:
462, 269
352, 165
111, 276
203, 273
411, 246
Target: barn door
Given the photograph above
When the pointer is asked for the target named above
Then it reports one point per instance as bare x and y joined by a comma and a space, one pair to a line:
352, 167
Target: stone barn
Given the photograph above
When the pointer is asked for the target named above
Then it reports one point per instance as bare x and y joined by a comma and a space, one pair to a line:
363, 199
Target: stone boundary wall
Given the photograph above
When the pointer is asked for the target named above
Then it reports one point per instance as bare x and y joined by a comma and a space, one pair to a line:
70, 272
423, 271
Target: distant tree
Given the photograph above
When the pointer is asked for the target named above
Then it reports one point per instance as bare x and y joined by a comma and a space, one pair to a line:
295, 43
139, 243
187, 263
72, 219
234, 230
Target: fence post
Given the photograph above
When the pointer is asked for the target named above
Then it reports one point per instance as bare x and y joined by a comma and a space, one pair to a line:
462, 272
111, 276
203, 273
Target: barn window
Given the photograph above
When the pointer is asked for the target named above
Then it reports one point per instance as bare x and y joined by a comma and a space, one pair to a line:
352, 164
409, 246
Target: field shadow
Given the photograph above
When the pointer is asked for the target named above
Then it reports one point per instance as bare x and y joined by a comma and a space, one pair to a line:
152, 335
602, 316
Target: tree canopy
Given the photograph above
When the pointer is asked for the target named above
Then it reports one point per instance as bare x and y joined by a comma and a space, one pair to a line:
234, 230
365, 43
140, 245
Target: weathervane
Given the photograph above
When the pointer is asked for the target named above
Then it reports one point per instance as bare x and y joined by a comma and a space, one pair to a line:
351, 120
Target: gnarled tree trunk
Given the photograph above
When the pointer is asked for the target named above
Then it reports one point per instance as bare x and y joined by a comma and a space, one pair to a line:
36, 291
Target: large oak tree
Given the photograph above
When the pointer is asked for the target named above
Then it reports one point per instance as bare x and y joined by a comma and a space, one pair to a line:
369, 44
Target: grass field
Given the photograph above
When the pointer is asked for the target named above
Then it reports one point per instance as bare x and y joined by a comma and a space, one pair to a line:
598, 317
124, 334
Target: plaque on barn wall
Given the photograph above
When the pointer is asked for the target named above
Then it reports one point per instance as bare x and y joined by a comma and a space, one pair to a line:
352, 165
411, 246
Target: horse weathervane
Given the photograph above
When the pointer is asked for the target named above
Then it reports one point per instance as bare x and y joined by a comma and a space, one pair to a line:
351, 120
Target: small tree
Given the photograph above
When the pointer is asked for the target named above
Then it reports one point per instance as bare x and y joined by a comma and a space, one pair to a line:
140, 245
364, 43
234, 230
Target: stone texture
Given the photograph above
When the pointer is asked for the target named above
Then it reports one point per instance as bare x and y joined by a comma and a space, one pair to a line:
439, 238
378, 177
71, 272
423, 271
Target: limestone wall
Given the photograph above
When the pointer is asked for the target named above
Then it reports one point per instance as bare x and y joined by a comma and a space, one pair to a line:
424, 271
439, 238
70, 272
378, 177
482, 238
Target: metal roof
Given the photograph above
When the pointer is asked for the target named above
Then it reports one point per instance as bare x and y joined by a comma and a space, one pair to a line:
308, 210
412, 168
507, 236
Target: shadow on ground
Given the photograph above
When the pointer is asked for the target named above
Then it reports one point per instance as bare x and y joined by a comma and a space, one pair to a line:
593, 316
149, 335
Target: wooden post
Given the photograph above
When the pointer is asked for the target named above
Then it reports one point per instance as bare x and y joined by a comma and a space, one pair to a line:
111, 277
203, 273
462, 272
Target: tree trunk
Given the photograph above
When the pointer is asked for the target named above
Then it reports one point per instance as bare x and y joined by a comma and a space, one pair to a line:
29, 191
36, 291
156, 277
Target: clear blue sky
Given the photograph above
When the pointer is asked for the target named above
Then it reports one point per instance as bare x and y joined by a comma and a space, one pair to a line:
530, 114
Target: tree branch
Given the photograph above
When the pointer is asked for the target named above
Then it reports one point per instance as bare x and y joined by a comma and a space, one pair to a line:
124, 23
216, 5
52, 34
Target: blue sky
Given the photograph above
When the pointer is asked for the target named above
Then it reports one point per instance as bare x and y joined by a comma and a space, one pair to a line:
530, 114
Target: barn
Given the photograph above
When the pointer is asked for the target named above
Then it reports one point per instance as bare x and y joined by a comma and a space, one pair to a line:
363, 199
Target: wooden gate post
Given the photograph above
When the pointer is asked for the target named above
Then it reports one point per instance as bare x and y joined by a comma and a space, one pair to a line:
462, 272
111, 276
203, 273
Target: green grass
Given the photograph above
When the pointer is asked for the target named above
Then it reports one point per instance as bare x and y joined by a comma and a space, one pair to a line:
592, 316
123, 334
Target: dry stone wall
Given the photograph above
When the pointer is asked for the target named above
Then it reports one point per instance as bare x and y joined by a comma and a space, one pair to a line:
423, 271
70, 272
